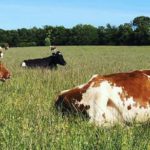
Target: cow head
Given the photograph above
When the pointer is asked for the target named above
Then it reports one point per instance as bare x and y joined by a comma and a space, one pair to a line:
58, 58
70, 100
4, 73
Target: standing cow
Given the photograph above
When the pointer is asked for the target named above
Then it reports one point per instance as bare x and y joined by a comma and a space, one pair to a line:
110, 99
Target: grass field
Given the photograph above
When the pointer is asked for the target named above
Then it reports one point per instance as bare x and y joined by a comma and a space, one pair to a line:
28, 119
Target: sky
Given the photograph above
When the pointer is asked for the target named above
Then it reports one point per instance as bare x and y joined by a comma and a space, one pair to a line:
16, 14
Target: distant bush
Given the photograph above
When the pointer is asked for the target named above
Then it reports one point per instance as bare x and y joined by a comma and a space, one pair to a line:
47, 41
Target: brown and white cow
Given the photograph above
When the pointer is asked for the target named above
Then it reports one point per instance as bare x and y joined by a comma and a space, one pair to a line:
4, 73
110, 99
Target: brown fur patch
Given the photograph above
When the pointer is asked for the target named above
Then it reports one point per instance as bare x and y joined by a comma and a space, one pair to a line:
4, 73
134, 84
129, 107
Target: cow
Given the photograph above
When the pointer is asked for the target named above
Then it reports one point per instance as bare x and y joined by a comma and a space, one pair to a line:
4, 73
48, 62
120, 98
2, 51
4, 46
1, 54
53, 48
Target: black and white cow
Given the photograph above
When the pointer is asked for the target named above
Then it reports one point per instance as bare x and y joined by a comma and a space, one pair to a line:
47, 62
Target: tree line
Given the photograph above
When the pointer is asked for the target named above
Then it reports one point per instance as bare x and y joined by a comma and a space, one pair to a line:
136, 32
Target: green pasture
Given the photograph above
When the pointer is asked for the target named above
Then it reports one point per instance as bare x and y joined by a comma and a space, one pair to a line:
28, 118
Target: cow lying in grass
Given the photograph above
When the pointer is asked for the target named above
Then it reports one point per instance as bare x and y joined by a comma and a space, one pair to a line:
48, 62
4, 73
110, 99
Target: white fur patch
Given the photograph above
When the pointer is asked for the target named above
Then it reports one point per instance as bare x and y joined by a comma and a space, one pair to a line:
23, 64
136, 113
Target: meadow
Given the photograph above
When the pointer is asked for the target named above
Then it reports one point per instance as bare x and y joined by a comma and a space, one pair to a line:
28, 118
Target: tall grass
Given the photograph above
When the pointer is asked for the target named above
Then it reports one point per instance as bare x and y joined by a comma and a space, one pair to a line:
28, 119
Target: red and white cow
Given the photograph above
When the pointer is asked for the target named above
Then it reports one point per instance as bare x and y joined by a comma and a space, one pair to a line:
110, 99
4, 73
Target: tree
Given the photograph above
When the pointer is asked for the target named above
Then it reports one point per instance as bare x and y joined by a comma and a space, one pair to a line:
84, 35
48, 37
59, 35
47, 41
142, 22
135, 33
40, 37
111, 35
124, 34
13, 38
141, 27
101, 35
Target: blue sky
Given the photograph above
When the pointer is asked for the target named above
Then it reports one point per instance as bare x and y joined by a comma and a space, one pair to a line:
16, 14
